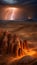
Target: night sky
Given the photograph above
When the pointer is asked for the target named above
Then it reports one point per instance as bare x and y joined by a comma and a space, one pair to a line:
19, 1
24, 9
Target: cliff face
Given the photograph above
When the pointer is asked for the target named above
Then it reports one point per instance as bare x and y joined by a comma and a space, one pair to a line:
12, 44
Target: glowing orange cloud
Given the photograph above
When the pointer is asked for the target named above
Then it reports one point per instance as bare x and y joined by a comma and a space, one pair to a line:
11, 13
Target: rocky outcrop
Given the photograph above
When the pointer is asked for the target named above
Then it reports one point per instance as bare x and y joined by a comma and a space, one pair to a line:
12, 44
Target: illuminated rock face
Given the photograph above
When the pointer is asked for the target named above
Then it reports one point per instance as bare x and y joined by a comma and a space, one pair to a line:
11, 44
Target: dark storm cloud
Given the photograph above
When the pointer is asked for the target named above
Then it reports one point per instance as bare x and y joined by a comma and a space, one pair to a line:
30, 7
18, 2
